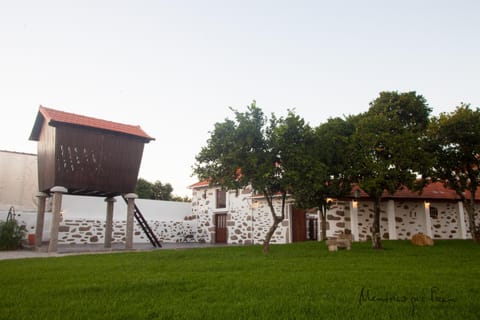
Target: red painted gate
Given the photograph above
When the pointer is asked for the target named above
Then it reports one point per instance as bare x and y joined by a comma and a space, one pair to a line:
299, 227
221, 228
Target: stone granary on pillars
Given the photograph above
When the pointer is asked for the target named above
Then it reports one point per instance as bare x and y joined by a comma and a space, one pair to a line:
80, 155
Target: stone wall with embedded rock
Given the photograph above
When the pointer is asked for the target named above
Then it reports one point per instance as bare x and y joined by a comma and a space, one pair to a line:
248, 219
83, 231
409, 219
365, 220
262, 221
338, 219
446, 224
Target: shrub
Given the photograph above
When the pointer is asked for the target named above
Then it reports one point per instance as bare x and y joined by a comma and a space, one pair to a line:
11, 234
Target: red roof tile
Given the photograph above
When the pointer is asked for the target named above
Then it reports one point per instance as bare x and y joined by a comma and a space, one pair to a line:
55, 116
204, 183
432, 191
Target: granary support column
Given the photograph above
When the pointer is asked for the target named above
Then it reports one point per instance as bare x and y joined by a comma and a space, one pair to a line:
109, 222
130, 211
42, 200
354, 220
462, 226
56, 216
392, 224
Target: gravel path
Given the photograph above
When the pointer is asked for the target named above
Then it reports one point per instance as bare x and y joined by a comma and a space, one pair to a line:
64, 250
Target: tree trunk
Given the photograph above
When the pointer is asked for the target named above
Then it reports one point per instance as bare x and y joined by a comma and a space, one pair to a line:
276, 220
323, 215
376, 236
269, 235
471, 217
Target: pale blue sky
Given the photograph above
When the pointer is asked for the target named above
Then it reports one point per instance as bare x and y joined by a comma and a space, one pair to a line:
174, 67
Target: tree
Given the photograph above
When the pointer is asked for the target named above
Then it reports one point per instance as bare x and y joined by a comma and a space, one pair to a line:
144, 189
255, 151
162, 191
388, 148
324, 173
456, 138
181, 199
157, 191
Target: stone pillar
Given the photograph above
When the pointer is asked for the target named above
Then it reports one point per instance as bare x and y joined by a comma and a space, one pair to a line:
428, 220
130, 208
462, 226
42, 199
56, 216
109, 222
392, 224
354, 220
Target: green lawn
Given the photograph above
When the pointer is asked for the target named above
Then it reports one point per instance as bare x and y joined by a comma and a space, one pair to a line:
296, 281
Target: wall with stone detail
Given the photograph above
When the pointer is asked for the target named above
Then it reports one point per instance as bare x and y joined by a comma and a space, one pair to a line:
248, 219
409, 219
365, 220
92, 231
445, 226
262, 221
338, 218
85, 231
202, 201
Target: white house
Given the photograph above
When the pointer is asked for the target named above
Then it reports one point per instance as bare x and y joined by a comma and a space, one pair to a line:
217, 216
242, 218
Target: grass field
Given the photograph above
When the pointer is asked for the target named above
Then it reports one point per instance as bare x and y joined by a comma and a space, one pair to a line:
296, 281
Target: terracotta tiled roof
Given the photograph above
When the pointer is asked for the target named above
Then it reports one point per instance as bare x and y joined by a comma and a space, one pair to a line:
432, 191
200, 184
55, 116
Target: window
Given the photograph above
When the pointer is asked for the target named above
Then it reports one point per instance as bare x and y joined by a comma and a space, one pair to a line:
433, 213
221, 197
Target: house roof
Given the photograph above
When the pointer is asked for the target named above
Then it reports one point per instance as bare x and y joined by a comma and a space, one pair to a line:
432, 191
200, 184
55, 117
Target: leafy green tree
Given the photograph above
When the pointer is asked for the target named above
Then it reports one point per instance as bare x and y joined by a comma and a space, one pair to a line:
157, 191
324, 173
255, 151
144, 189
162, 191
456, 138
181, 199
388, 148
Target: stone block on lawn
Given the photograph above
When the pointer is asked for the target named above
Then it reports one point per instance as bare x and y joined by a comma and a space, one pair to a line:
421, 239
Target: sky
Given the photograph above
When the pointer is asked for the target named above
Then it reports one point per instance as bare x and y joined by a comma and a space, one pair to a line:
175, 67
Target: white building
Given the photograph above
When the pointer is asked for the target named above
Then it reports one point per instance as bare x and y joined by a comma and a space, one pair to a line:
241, 218
216, 216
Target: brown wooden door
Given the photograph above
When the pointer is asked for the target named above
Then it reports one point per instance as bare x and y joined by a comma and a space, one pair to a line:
299, 225
221, 228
